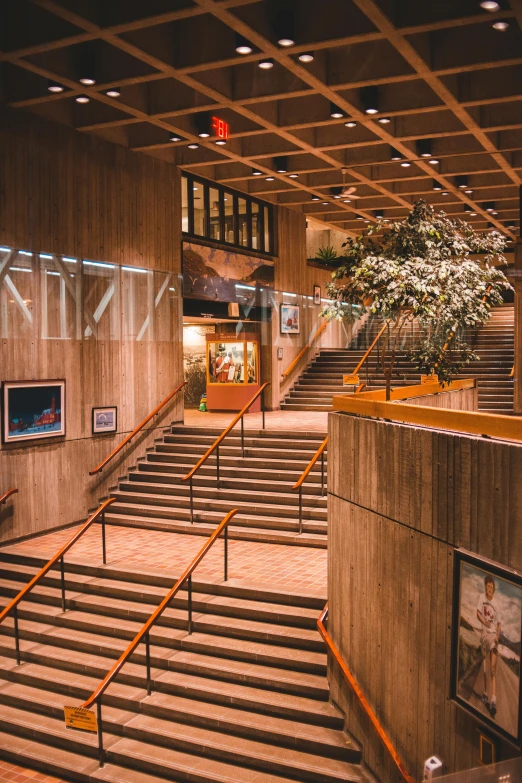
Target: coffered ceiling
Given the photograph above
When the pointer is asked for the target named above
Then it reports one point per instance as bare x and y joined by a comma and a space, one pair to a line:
446, 78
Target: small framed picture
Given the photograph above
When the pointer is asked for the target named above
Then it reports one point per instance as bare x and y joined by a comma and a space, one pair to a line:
487, 625
317, 294
32, 410
104, 420
289, 314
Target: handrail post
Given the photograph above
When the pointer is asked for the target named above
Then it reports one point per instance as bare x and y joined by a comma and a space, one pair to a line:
147, 662
300, 509
101, 754
189, 589
62, 581
17, 635
243, 436
104, 545
217, 466
322, 473
226, 553
191, 502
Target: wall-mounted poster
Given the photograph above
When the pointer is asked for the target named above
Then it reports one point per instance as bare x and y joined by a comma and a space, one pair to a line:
317, 294
289, 315
487, 626
33, 410
104, 419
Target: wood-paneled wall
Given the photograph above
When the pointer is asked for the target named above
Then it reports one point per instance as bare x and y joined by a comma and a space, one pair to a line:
292, 273
401, 498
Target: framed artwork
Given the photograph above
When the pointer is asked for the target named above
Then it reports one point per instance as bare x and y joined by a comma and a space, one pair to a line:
104, 419
317, 294
289, 315
487, 625
32, 410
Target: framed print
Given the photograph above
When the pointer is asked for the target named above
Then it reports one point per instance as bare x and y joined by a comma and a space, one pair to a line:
32, 410
317, 294
289, 314
104, 419
487, 624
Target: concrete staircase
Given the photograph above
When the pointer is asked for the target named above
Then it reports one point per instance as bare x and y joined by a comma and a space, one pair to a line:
243, 698
260, 485
493, 343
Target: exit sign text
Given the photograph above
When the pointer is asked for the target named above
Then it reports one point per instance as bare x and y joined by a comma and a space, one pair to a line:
220, 128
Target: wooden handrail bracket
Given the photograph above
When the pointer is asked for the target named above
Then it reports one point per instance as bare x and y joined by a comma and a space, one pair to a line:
360, 696
7, 495
312, 462
308, 345
135, 431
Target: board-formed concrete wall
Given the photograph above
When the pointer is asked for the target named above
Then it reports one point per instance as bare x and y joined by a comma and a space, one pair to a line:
401, 499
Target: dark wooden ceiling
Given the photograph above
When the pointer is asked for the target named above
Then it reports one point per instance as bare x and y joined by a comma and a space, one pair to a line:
444, 73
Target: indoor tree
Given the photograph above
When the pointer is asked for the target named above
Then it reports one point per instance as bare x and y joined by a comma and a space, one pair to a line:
420, 272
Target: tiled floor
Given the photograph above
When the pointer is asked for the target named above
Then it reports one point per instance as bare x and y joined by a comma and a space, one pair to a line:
275, 420
13, 774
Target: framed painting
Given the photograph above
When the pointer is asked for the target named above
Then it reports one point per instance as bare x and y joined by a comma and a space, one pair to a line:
317, 294
487, 625
104, 419
290, 322
32, 410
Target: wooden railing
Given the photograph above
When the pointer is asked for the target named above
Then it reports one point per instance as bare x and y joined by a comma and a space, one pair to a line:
135, 431
308, 345
418, 390
512, 373
360, 697
12, 606
7, 494
299, 484
144, 633
355, 373
215, 446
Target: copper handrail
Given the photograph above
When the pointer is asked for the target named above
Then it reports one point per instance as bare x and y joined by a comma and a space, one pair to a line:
12, 605
215, 445
143, 633
299, 483
511, 374
135, 431
370, 349
360, 696
304, 350
7, 494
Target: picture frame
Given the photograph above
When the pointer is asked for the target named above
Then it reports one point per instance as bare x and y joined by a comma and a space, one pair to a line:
317, 294
104, 419
486, 644
33, 410
290, 322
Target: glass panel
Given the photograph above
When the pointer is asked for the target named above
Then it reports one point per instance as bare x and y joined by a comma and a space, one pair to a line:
252, 363
184, 205
256, 225
243, 221
226, 362
268, 245
215, 227
229, 218
199, 209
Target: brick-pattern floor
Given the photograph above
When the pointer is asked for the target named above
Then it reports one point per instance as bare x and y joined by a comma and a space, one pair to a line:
14, 774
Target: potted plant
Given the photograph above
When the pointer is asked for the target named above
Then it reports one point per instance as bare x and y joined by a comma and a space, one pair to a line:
419, 271
326, 255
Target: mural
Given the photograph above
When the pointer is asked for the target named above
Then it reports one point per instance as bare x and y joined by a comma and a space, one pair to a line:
194, 362
213, 274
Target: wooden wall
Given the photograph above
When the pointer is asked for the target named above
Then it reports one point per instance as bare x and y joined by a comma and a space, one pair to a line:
401, 498
68, 193
517, 406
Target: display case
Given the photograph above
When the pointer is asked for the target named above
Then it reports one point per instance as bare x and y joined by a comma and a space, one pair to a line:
233, 371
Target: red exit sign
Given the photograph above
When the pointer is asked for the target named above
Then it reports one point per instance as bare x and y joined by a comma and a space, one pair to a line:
220, 127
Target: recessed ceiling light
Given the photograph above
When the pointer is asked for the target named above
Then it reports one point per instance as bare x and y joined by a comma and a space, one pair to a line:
286, 42
54, 87
347, 200
316, 198
490, 5
221, 142
256, 172
366, 221
461, 181
193, 146
370, 99
270, 179
434, 161
490, 206
494, 212
436, 185
293, 176
266, 64
242, 45
306, 57
405, 164
204, 135
175, 137
502, 26
88, 81
350, 124
337, 196
82, 99
473, 214
325, 203
384, 120
468, 191
394, 154
372, 111
445, 193
336, 112
360, 217
244, 49
113, 92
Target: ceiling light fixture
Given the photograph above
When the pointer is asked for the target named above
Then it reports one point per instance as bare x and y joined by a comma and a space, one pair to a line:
468, 191
270, 179
384, 120
266, 64
473, 214
306, 57
221, 142
461, 181
436, 185
281, 164
434, 161
347, 200
490, 5
325, 203
175, 137
316, 198
360, 217
88, 81
502, 26
54, 87
286, 42
445, 193
405, 164
256, 172
350, 124
489, 206
379, 214
242, 45
424, 148
395, 154
293, 176
193, 146
82, 99
113, 92
336, 112
370, 99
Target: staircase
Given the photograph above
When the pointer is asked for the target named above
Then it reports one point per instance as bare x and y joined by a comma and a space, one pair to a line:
493, 343
243, 698
259, 485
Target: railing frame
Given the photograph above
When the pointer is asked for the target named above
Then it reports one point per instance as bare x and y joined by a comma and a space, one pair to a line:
215, 446
299, 483
12, 606
144, 634
368, 352
6, 495
136, 430
321, 627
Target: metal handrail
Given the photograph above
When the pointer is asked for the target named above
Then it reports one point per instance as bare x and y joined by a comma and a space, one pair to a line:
370, 349
143, 633
299, 483
511, 374
360, 696
215, 445
304, 350
12, 606
7, 494
135, 431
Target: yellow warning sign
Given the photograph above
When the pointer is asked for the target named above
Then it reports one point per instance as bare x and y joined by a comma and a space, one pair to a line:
429, 378
80, 718
350, 380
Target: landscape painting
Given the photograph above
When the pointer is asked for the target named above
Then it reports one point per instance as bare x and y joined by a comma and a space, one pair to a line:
33, 410
487, 648
209, 273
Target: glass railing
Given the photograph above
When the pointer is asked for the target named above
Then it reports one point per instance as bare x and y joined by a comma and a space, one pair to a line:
504, 772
